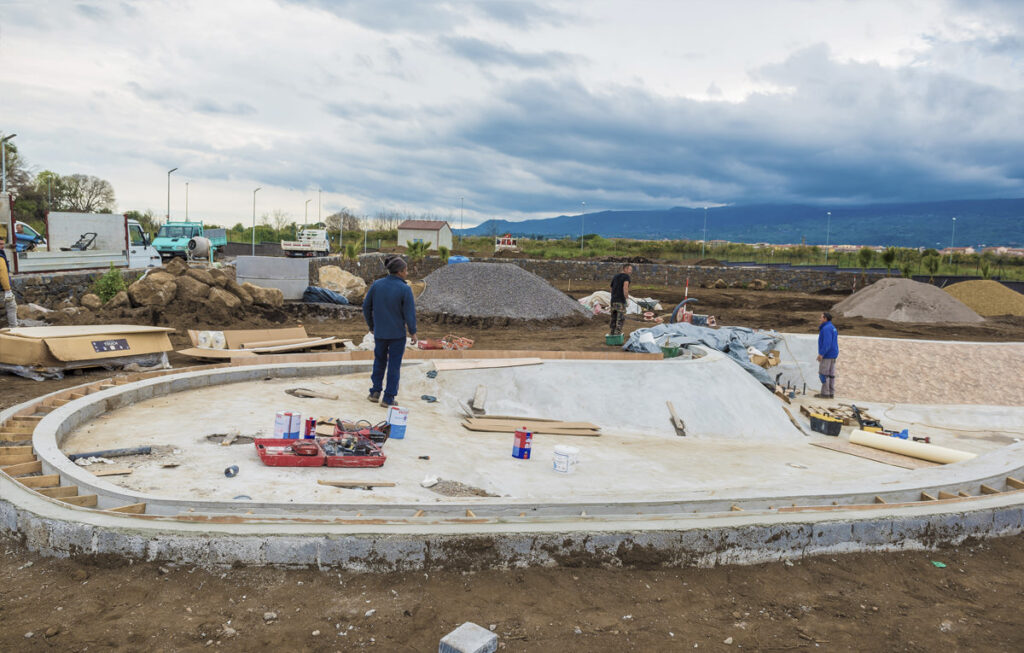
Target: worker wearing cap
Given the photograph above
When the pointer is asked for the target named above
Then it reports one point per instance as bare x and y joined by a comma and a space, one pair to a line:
389, 309
828, 352
619, 299
5, 284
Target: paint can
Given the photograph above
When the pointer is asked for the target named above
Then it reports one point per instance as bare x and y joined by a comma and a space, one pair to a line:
398, 418
309, 431
521, 444
282, 423
295, 427
565, 458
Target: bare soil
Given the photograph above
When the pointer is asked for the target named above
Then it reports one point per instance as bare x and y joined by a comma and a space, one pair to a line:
865, 602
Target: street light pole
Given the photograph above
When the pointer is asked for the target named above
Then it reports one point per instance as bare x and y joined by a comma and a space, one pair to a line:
462, 218
305, 216
704, 239
828, 231
951, 239
319, 204
169, 193
254, 220
583, 211
186, 201
3, 155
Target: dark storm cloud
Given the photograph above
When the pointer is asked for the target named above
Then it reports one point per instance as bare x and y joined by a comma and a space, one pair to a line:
485, 53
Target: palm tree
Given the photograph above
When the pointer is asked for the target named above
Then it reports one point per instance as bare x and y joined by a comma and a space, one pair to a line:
864, 256
888, 258
931, 263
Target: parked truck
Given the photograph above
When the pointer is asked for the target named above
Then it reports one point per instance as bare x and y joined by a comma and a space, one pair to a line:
311, 242
173, 238
79, 241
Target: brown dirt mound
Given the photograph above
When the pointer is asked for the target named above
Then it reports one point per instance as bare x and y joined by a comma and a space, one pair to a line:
988, 297
905, 300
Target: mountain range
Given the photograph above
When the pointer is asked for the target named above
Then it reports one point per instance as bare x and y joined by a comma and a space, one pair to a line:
919, 224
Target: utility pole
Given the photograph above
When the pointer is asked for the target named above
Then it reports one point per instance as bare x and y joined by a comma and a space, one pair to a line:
186, 201
169, 193
583, 211
951, 239
462, 218
704, 240
254, 220
828, 231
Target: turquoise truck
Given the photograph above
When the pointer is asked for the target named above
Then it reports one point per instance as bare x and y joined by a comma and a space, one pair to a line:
173, 238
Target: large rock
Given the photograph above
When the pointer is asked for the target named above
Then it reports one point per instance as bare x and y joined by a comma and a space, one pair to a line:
232, 287
120, 300
219, 278
220, 297
157, 289
720, 283
191, 289
201, 275
91, 301
176, 266
341, 281
32, 312
264, 296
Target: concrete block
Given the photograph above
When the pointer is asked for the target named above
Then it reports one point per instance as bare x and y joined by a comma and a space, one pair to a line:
469, 638
289, 275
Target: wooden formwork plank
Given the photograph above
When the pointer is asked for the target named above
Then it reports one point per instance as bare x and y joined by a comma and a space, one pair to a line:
988, 489
47, 480
22, 469
14, 437
26, 418
62, 492
131, 509
946, 495
18, 427
1016, 484
6, 451
84, 500
14, 459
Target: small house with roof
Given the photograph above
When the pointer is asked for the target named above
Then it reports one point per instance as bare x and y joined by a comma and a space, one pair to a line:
435, 232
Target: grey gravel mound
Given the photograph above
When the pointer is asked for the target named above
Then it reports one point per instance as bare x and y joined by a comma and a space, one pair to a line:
905, 300
484, 290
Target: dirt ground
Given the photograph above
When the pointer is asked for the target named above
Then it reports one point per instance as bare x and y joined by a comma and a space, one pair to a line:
865, 602
882, 601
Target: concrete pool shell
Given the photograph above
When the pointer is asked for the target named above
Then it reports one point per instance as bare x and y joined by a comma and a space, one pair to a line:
743, 486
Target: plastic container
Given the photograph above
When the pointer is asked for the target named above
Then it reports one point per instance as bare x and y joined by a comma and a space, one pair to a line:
522, 442
282, 423
670, 352
614, 340
565, 458
398, 418
825, 424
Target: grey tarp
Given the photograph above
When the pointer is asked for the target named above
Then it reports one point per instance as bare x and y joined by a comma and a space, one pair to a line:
732, 341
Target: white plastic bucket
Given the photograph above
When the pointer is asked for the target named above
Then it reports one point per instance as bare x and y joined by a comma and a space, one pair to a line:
282, 423
398, 418
565, 458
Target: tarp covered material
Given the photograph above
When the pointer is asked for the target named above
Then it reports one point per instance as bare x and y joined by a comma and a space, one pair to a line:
634, 305
318, 295
732, 341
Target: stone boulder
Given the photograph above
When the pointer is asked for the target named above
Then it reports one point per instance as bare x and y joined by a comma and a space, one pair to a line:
720, 284
264, 296
201, 275
341, 281
220, 279
176, 266
220, 297
158, 289
91, 301
120, 300
758, 284
32, 312
191, 289
232, 287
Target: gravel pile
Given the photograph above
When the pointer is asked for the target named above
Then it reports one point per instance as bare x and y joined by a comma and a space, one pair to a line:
484, 290
988, 297
905, 300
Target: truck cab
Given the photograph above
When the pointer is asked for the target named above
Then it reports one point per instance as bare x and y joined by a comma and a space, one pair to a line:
141, 254
311, 242
172, 239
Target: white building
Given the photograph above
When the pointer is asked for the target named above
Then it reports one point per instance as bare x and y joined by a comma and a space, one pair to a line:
435, 232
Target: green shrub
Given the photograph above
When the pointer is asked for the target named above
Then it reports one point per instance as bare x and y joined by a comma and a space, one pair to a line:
444, 253
108, 285
352, 251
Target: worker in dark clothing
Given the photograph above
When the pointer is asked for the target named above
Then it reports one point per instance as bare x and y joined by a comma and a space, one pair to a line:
389, 309
828, 352
5, 284
620, 297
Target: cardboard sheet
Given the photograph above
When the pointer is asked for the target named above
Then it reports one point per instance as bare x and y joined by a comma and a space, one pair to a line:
57, 345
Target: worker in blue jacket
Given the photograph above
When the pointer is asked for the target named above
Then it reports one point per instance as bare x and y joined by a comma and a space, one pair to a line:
389, 309
828, 352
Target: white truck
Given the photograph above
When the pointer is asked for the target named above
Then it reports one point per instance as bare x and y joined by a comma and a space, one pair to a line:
311, 242
81, 241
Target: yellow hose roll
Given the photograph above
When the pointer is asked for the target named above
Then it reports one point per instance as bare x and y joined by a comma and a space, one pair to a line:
932, 452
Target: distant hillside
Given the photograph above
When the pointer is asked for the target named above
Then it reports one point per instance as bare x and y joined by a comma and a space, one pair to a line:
921, 224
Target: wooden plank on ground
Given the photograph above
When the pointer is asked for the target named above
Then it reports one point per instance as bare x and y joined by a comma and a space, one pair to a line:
131, 509
83, 500
22, 469
14, 437
517, 423
26, 418
538, 429
479, 399
19, 427
886, 457
49, 480
514, 418
16, 458
111, 471
7, 451
356, 483
59, 492
451, 365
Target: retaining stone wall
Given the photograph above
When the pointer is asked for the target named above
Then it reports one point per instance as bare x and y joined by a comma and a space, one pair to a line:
51, 289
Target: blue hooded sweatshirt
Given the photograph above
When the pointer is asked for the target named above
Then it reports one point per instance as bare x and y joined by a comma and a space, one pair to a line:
389, 307
828, 340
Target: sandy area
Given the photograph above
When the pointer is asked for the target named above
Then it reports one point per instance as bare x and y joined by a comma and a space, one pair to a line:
902, 371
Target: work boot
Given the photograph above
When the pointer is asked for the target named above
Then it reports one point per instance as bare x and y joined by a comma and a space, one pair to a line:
388, 404
374, 397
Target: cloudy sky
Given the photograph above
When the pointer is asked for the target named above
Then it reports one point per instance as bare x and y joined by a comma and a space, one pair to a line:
524, 109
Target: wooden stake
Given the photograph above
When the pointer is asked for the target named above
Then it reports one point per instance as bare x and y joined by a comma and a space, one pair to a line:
946, 495
927, 497
356, 483
132, 509
1016, 484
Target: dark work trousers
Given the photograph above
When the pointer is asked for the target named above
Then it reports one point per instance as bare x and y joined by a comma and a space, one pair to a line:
618, 318
387, 354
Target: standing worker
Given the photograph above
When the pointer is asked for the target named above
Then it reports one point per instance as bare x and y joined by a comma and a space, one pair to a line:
389, 308
828, 352
5, 283
620, 297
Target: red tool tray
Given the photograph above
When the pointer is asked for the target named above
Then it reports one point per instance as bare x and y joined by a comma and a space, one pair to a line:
278, 453
375, 459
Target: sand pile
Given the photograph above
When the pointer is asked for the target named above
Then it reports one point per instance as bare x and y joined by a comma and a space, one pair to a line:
495, 290
905, 300
988, 297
